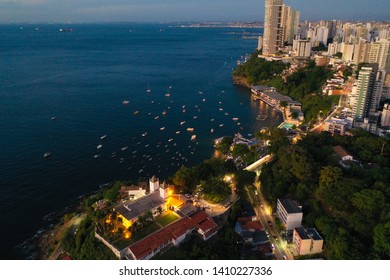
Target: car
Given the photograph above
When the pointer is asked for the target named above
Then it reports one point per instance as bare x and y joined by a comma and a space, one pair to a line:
272, 246
262, 206
284, 257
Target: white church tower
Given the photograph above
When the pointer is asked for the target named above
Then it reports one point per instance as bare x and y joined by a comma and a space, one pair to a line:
154, 184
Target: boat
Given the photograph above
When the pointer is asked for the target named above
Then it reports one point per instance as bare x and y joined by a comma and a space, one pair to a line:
164, 113
178, 132
156, 118
195, 117
99, 146
190, 129
124, 148
183, 122
167, 94
144, 134
136, 113
170, 140
235, 119
226, 114
221, 125
65, 30
212, 130
96, 156
148, 90
103, 137
220, 109
53, 118
162, 128
212, 120
126, 102
46, 155
204, 99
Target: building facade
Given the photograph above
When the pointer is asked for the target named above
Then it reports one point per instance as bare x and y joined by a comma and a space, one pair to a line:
307, 241
290, 213
273, 27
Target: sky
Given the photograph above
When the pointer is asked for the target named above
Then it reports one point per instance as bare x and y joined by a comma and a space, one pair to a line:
13, 11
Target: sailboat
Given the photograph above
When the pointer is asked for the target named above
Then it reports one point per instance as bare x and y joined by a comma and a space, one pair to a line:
148, 90
167, 94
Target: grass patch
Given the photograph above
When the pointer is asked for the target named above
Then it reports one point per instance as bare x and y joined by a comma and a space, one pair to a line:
166, 219
139, 234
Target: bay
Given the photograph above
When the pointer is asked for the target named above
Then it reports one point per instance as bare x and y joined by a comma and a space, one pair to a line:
60, 92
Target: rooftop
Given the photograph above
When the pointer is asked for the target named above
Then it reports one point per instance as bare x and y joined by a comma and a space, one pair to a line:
340, 151
133, 209
147, 245
291, 206
308, 233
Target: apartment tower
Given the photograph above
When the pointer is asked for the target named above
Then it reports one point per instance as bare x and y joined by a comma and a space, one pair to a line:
273, 27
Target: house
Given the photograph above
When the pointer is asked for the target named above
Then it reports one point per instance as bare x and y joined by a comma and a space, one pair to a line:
346, 159
154, 202
307, 241
172, 235
251, 231
290, 213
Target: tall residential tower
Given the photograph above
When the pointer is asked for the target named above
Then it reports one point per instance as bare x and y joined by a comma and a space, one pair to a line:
273, 27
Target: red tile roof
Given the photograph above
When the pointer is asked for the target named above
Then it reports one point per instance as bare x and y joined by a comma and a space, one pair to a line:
147, 245
247, 224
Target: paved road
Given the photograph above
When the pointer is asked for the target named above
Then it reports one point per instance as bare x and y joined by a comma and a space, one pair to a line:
264, 215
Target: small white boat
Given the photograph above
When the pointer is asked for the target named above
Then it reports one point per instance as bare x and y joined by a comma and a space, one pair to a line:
99, 146
183, 122
212, 120
96, 156
156, 118
220, 109
178, 132
53, 118
148, 90
162, 128
170, 140
124, 148
190, 129
212, 130
195, 117
164, 113
136, 113
235, 119
221, 125
193, 137
103, 137
46, 155
204, 99
126, 102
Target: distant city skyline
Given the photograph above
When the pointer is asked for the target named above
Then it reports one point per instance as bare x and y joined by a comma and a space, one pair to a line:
12, 11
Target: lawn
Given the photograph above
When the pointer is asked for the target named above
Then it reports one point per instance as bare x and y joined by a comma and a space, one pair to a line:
166, 218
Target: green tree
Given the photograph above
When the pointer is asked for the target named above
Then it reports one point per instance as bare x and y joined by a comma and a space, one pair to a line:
382, 240
329, 175
369, 200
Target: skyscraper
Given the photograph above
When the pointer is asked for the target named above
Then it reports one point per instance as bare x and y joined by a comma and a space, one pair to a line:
380, 53
366, 94
273, 27
292, 23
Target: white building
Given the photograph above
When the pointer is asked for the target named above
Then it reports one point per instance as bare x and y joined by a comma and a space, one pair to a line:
385, 121
302, 48
379, 53
290, 213
273, 27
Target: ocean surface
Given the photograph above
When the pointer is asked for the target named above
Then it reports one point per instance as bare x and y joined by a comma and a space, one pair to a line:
60, 92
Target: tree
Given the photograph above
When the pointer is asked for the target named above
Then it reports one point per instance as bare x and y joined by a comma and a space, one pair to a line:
294, 115
339, 55
382, 240
369, 200
225, 144
283, 104
329, 175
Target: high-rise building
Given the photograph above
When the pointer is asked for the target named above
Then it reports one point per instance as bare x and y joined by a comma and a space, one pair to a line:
379, 53
292, 23
302, 48
385, 121
321, 35
366, 93
273, 27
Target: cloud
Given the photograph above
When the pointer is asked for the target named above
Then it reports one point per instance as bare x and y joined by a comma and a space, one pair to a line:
28, 2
